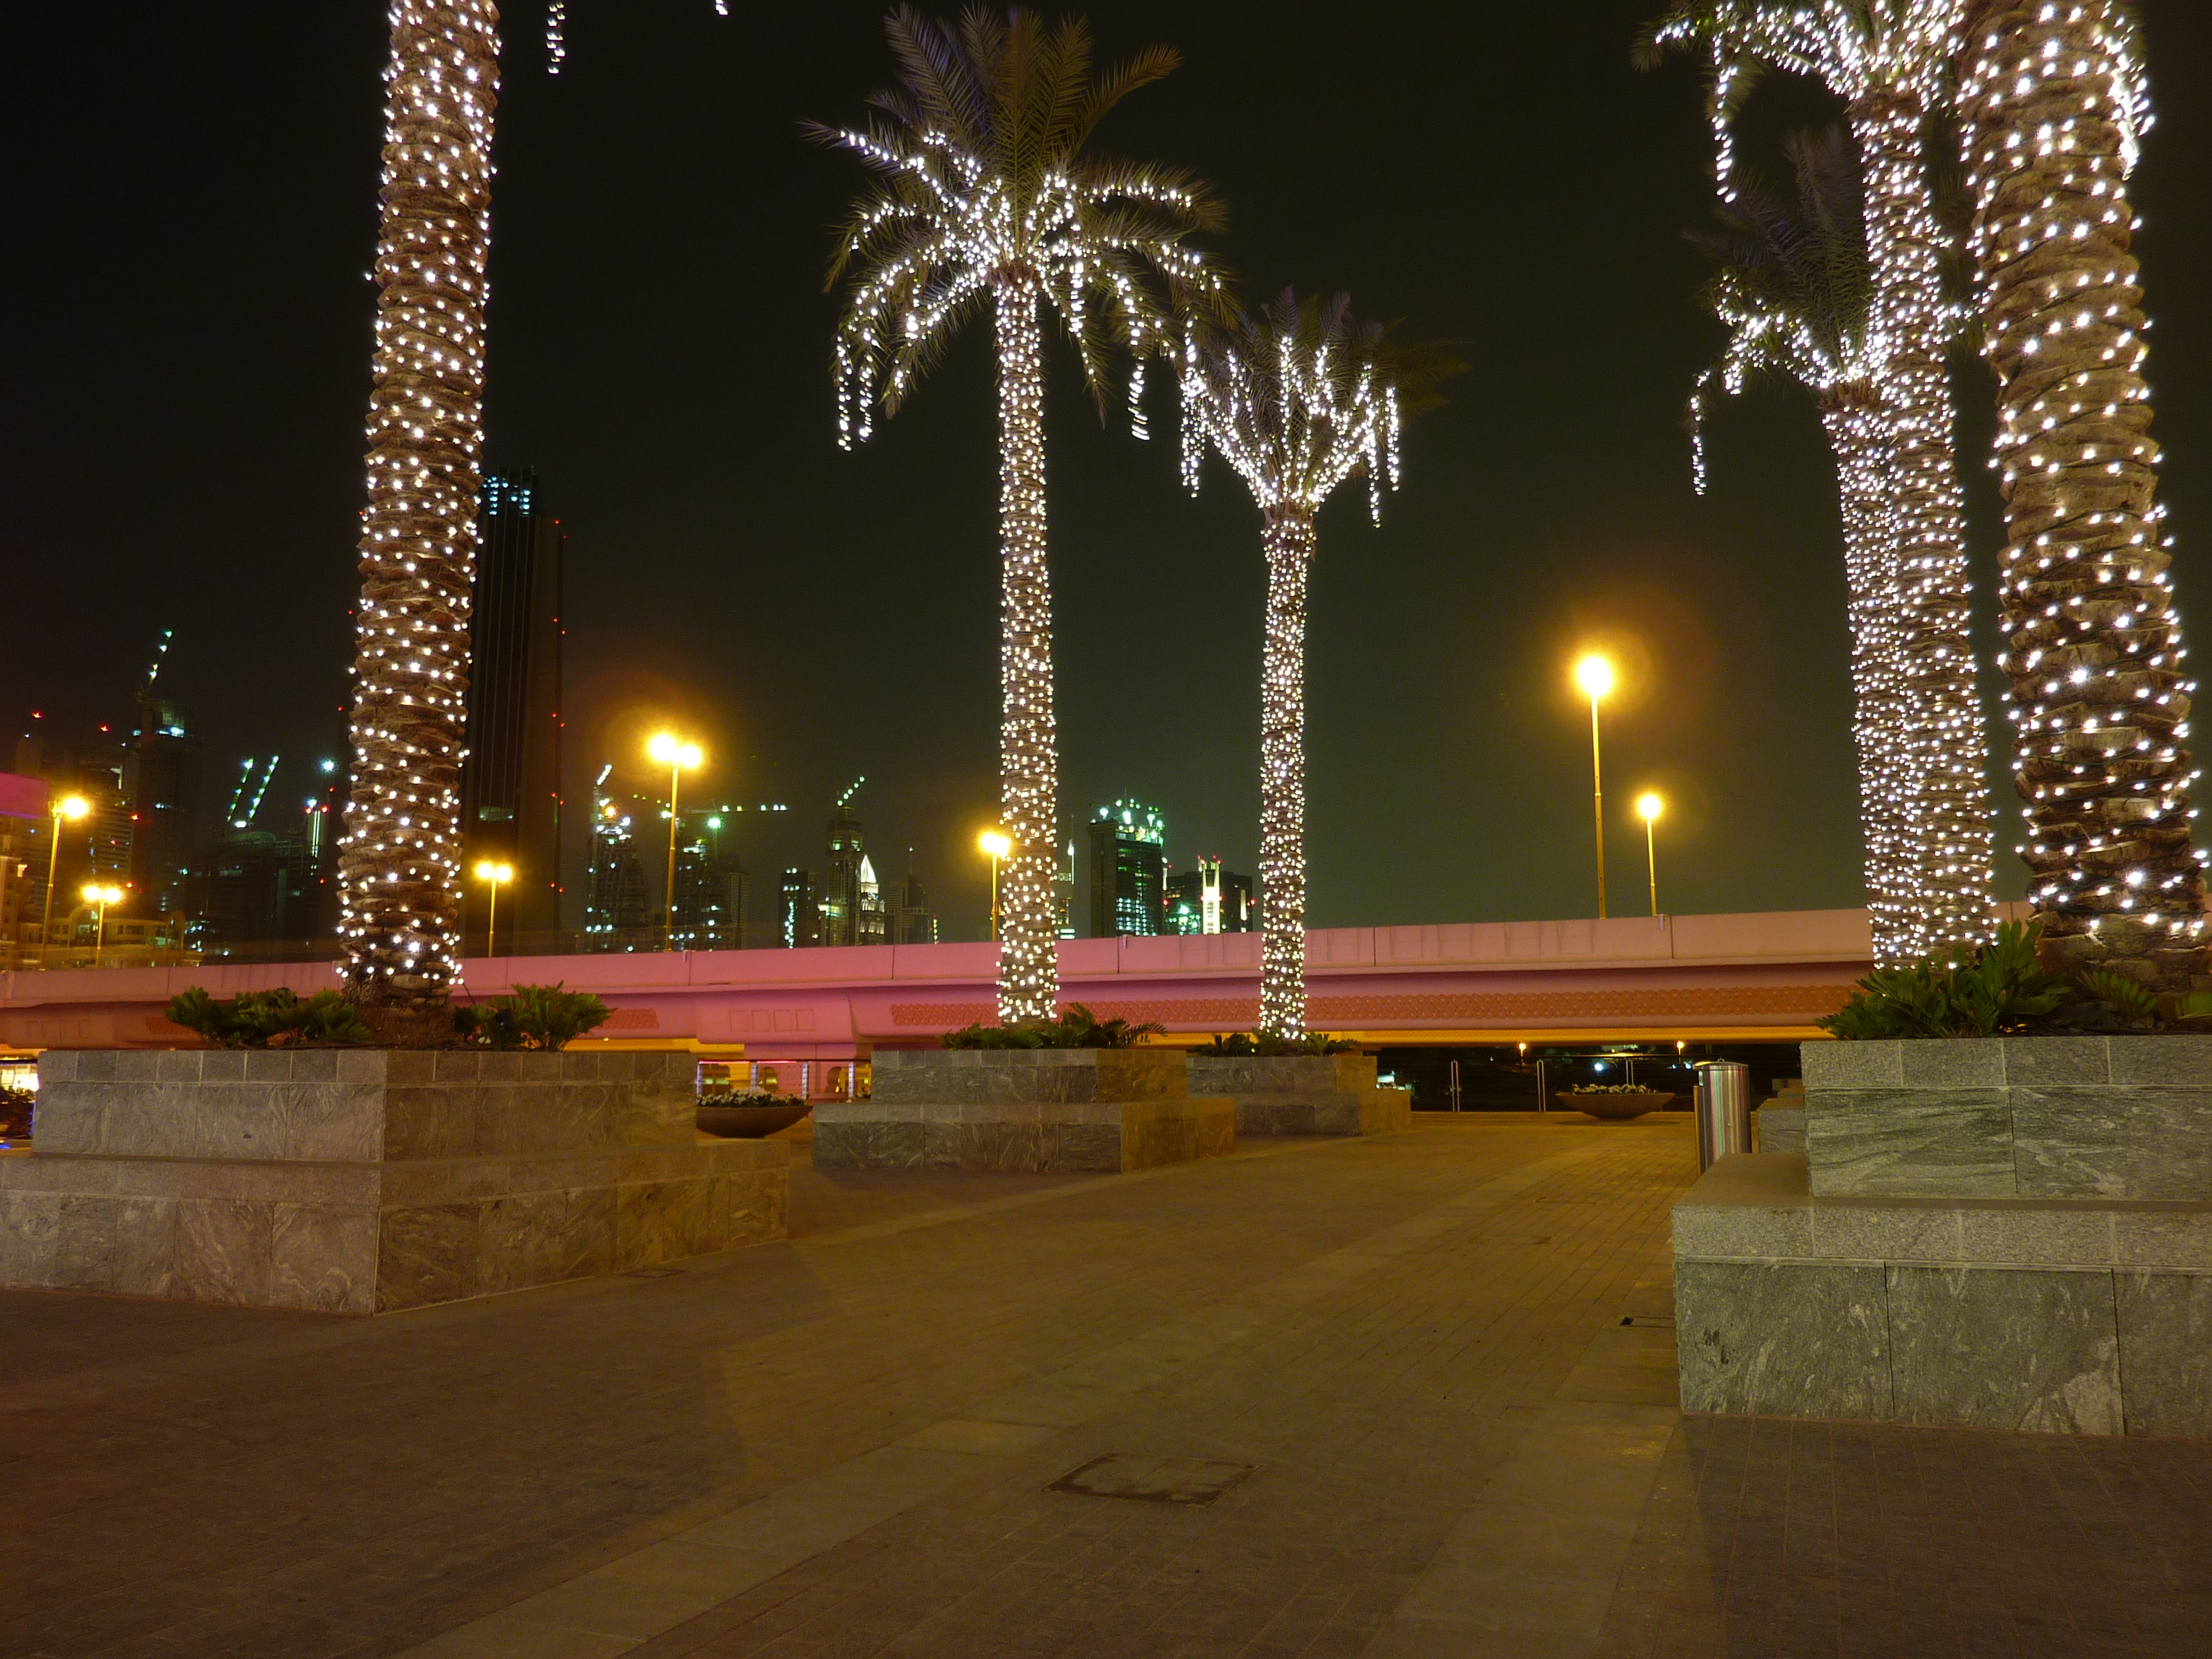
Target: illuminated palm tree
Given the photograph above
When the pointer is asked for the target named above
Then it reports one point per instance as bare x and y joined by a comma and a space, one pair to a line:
1297, 398
1888, 61
988, 197
556, 31
1794, 291
2054, 105
399, 857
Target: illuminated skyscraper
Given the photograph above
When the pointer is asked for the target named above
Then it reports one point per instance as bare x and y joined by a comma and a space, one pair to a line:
617, 915
913, 922
1210, 900
1128, 870
799, 915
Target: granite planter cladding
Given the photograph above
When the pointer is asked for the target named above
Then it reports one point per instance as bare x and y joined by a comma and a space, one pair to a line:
368, 1181
1303, 1094
2116, 1117
1024, 1109
2069, 1315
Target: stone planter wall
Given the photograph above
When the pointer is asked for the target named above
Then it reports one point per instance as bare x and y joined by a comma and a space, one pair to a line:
368, 1181
1303, 1094
2012, 1117
1022, 1108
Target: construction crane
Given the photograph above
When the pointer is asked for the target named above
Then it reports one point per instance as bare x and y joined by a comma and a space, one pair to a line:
850, 793
246, 782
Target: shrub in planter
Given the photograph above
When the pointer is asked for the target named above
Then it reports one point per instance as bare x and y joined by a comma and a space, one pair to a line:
259, 1019
1076, 1028
534, 1016
1272, 1045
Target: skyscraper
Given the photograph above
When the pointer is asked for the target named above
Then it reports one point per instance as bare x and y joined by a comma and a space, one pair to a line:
871, 918
799, 916
1063, 893
839, 900
511, 779
913, 922
1210, 900
1128, 870
617, 914
162, 774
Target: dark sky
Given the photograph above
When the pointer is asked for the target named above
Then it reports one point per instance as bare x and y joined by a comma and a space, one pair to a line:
192, 213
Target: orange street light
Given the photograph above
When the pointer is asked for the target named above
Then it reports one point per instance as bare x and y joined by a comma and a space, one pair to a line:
1649, 806
69, 806
493, 874
1593, 674
100, 898
996, 843
675, 754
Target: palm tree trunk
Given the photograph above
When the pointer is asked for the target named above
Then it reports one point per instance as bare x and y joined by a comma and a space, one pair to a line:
1028, 785
1859, 431
1945, 738
2099, 692
400, 861
1288, 538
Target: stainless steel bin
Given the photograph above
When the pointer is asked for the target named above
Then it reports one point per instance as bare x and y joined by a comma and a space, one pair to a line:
1724, 1109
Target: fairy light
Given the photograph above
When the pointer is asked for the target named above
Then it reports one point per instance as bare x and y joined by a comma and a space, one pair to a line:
1888, 63
399, 860
1296, 399
1023, 218
556, 31
1794, 307
2054, 102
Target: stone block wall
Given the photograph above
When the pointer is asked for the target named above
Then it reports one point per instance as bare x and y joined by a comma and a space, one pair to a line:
1303, 1094
363, 1180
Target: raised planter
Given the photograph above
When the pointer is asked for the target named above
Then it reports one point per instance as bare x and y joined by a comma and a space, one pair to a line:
747, 1122
1303, 1094
2011, 1117
2009, 1232
1612, 1109
1023, 1109
368, 1181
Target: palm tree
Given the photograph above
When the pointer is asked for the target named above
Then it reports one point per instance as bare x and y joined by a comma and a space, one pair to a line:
1297, 398
1795, 293
988, 193
2054, 106
1888, 59
399, 860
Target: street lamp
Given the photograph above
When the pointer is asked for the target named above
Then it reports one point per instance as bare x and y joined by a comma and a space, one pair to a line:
99, 898
1593, 674
1649, 806
493, 874
69, 806
994, 843
675, 754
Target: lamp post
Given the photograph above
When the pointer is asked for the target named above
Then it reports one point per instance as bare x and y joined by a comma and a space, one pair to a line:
69, 806
997, 844
1649, 806
493, 874
99, 898
675, 754
1594, 675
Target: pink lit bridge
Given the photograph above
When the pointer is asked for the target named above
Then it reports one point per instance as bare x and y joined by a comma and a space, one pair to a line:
1764, 975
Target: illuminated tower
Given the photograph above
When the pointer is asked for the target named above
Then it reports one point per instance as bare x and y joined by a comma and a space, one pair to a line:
1128, 870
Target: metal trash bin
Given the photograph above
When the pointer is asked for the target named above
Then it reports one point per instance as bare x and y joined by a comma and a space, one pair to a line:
1724, 1109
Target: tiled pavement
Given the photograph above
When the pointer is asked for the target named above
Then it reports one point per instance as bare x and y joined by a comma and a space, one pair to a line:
843, 1446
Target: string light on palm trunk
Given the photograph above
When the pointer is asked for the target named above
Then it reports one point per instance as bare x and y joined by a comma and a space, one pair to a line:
1296, 399
986, 196
398, 860
2055, 105
1888, 62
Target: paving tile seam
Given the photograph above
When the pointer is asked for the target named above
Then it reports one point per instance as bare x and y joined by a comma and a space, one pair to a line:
514, 1633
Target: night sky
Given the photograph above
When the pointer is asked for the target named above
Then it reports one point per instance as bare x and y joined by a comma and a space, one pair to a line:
192, 215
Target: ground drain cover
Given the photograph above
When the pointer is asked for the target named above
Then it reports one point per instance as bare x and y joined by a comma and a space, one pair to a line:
652, 1273
1648, 1322
1153, 1479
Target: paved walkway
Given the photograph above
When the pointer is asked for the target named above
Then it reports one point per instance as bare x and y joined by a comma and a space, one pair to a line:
1408, 1396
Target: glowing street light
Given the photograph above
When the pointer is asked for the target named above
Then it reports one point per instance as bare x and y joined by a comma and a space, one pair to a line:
100, 898
1593, 674
69, 806
995, 843
1649, 806
493, 875
675, 754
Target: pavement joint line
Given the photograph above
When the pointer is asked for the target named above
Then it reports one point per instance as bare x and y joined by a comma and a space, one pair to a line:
578, 1618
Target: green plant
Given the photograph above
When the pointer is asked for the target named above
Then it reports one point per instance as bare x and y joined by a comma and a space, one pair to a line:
258, 1019
1613, 1089
749, 1097
1076, 1028
532, 1016
1994, 988
1269, 1045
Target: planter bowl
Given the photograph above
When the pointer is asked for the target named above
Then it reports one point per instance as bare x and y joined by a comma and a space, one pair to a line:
1612, 1109
748, 1122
